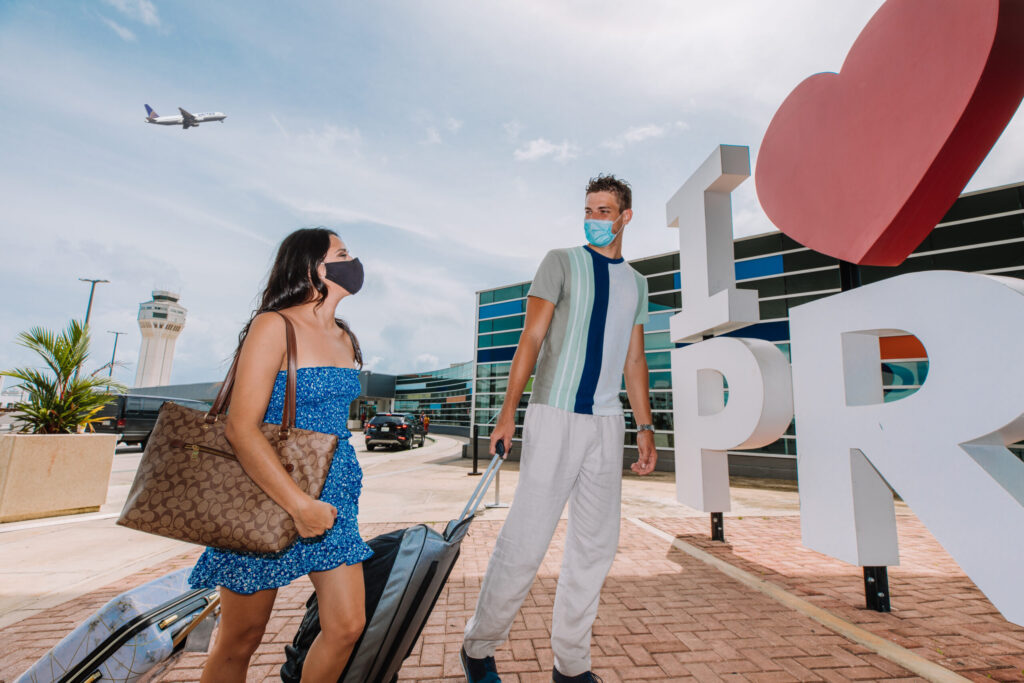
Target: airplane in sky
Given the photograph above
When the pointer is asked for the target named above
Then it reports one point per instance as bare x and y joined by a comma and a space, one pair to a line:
185, 120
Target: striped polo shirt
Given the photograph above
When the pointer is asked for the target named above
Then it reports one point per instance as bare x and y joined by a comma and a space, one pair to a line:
597, 302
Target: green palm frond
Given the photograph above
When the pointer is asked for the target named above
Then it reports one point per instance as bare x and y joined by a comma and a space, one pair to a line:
60, 401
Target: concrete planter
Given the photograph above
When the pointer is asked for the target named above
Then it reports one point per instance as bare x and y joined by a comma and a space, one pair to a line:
45, 475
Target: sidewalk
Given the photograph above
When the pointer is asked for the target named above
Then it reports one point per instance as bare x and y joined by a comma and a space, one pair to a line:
676, 606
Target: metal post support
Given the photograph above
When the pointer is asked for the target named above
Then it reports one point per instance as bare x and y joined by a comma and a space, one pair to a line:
497, 493
717, 521
92, 289
876, 579
88, 308
476, 452
849, 276
717, 527
876, 588
113, 356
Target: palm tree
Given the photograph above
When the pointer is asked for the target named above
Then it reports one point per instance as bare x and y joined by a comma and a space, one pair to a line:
59, 400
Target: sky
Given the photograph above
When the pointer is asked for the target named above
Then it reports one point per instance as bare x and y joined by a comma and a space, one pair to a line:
448, 143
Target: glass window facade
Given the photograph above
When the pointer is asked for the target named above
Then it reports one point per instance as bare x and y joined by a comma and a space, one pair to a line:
444, 395
784, 274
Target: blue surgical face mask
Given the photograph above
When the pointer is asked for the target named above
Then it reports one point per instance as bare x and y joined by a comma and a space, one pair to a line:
599, 233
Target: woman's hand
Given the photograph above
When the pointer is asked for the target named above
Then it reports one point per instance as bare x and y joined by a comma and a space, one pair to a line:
314, 518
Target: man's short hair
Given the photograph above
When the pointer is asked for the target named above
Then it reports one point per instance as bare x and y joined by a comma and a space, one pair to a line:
609, 183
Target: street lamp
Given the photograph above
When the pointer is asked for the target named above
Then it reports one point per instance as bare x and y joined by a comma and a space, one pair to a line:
92, 288
113, 355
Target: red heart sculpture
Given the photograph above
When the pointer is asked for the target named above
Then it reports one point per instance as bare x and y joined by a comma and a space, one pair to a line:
862, 164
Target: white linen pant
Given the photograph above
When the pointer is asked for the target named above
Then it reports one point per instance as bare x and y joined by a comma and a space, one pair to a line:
565, 456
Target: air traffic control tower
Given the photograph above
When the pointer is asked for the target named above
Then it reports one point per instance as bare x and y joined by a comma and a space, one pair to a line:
161, 321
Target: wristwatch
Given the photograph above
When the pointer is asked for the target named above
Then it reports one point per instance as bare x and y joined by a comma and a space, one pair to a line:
645, 428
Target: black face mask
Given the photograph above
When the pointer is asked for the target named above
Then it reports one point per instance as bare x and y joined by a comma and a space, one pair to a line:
347, 274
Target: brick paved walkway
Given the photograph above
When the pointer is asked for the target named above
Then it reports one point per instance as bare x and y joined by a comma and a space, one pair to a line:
664, 615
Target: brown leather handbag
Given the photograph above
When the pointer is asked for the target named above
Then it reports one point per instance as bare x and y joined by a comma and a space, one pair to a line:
191, 487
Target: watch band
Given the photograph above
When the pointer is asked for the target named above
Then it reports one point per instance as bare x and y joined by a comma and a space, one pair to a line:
645, 428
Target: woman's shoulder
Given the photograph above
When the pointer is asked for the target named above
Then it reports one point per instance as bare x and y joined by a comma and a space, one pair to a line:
265, 326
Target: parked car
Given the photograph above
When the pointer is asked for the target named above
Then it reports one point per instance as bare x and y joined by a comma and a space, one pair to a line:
132, 416
393, 429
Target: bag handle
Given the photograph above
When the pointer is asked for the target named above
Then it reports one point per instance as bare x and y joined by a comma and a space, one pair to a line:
220, 404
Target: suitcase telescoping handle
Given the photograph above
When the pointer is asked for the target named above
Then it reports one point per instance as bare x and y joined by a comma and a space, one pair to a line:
485, 483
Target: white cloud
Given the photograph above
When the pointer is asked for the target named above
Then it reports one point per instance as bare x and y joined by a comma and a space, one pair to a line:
512, 129
138, 10
541, 148
433, 137
280, 127
634, 135
453, 124
427, 361
327, 137
125, 33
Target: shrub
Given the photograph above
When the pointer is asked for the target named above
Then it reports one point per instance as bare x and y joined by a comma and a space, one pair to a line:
60, 400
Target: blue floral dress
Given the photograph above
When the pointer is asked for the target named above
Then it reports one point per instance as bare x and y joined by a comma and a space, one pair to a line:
323, 396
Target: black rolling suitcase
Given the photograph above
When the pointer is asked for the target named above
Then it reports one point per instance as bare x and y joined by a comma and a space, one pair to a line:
404, 579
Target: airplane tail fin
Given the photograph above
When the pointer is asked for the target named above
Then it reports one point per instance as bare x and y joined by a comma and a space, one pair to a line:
150, 113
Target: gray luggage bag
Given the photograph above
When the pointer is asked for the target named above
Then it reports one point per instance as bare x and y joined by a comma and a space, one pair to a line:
404, 579
133, 637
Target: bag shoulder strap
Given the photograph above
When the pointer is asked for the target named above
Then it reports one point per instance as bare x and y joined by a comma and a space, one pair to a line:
220, 404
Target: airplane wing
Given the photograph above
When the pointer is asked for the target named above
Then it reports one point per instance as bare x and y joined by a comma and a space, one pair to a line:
187, 119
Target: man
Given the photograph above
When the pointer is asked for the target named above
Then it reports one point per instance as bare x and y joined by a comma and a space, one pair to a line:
584, 318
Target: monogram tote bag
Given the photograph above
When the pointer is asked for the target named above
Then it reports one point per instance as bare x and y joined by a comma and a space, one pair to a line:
191, 487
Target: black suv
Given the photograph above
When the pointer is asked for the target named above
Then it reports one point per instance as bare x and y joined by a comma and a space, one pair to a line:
393, 429
132, 416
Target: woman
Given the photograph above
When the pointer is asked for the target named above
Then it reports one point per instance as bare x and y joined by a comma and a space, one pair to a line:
312, 273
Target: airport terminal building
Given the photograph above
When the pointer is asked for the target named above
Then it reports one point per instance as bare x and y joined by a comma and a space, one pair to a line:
983, 232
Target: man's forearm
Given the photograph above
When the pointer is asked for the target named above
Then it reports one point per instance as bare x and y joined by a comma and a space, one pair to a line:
638, 390
522, 367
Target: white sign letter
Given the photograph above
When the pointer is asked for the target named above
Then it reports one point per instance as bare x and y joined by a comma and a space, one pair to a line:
943, 449
759, 409
702, 210
760, 403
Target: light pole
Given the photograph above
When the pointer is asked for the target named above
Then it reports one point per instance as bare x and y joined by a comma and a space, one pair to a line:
113, 355
92, 288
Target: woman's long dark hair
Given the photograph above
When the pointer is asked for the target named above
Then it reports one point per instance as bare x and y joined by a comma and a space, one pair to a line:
294, 280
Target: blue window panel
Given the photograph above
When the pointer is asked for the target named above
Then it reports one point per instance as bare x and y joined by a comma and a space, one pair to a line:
500, 339
659, 340
504, 308
676, 281
495, 355
759, 267
891, 395
659, 361
435, 406
658, 322
775, 331
904, 373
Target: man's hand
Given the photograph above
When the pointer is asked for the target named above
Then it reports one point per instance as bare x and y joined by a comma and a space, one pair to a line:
503, 431
648, 454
